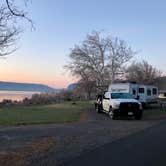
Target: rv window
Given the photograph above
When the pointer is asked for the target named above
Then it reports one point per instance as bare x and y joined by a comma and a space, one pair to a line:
141, 90
154, 91
149, 92
134, 92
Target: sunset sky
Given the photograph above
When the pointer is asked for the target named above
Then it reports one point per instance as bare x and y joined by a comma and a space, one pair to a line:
60, 24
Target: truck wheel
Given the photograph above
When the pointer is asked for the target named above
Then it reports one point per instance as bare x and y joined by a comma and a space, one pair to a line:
138, 115
111, 114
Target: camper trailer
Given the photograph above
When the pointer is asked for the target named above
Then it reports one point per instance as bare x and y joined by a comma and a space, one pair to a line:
146, 94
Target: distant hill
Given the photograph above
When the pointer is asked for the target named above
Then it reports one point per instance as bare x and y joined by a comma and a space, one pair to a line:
71, 86
14, 86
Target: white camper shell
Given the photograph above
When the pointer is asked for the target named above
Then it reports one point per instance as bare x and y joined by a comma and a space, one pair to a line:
144, 93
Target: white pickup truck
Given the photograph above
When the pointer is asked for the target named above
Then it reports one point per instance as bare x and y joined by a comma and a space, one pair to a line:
117, 104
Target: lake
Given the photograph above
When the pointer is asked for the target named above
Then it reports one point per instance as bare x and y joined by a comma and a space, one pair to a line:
15, 95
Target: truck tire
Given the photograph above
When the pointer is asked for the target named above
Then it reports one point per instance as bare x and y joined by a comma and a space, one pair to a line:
138, 115
111, 114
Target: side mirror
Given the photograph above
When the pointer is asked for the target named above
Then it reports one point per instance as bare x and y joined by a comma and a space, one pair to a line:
107, 95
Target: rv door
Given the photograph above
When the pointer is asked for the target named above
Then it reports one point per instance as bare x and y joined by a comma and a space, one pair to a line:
142, 94
134, 93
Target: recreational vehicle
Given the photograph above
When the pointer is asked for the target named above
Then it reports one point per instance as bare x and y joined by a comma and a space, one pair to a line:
146, 94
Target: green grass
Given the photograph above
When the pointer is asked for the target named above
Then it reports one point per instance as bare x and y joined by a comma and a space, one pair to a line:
54, 113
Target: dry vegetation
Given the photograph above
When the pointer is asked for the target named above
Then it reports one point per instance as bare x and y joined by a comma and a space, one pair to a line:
21, 156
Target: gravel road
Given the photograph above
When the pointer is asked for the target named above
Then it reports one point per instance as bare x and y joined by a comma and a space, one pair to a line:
67, 140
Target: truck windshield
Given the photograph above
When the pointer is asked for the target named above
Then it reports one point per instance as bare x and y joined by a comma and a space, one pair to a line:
121, 96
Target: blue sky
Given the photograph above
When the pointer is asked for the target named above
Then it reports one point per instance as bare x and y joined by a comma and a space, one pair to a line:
62, 23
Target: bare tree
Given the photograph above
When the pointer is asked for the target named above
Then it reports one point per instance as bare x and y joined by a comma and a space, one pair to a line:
142, 72
9, 28
99, 58
85, 88
13, 9
119, 54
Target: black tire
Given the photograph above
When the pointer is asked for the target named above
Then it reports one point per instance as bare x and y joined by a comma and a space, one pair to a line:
98, 108
112, 114
138, 115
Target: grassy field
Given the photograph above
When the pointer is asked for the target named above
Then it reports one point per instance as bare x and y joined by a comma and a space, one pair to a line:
54, 113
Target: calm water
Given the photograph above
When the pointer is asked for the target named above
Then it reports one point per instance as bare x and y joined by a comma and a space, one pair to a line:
15, 95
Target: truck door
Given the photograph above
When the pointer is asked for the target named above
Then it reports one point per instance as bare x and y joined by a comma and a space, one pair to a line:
106, 101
